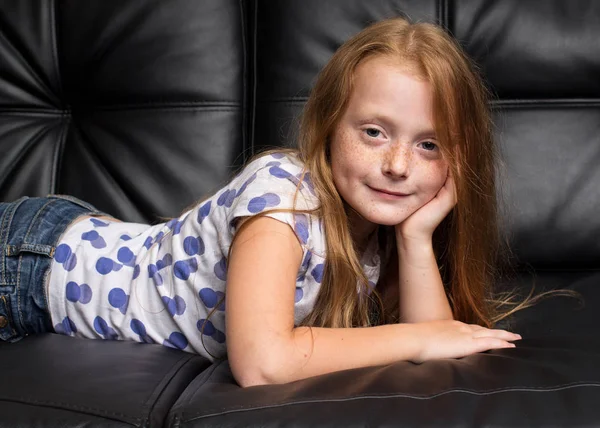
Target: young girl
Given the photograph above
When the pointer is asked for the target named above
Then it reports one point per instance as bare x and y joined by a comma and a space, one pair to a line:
374, 242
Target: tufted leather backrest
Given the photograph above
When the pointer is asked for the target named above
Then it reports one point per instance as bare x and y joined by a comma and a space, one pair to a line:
134, 106
142, 107
542, 61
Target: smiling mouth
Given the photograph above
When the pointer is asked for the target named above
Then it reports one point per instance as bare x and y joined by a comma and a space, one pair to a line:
387, 192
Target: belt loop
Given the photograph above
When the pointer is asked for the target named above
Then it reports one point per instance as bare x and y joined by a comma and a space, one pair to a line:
6, 221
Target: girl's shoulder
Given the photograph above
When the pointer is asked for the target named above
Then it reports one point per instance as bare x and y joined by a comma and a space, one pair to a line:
279, 163
280, 173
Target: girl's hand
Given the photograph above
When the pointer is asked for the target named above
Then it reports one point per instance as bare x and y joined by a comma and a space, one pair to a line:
421, 224
455, 339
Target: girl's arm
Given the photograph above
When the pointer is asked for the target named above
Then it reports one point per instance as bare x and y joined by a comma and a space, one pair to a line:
422, 296
264, 347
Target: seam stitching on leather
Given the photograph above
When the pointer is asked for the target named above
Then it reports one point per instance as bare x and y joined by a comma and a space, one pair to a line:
499, 390
67, 406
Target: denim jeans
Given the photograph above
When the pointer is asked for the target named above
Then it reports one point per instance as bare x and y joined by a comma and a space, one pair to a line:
29, 232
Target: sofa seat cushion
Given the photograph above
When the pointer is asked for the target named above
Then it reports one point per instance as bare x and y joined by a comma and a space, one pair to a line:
552, 378
75, 382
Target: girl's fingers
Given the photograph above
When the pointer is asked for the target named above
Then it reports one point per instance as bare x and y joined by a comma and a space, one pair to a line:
498, 334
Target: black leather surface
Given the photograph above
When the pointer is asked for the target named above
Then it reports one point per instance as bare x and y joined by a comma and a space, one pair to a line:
108, 383
535, 384
549, 181
136, 107
544, 49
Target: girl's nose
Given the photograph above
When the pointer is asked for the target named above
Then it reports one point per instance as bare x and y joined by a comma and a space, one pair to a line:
397, 161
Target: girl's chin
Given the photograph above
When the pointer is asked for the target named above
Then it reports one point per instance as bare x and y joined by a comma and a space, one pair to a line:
385, 220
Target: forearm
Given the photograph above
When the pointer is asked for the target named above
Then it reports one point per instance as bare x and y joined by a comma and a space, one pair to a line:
421, 292
328, 350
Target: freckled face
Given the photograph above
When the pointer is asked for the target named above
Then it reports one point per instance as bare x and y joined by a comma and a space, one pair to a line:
385, 159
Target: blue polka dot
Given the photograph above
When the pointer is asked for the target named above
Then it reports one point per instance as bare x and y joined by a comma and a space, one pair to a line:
209, 328
138, 327
136, 271
98, 223
307, 259
317, 272
203, 212
86, 294
183, 268
158, 279
148, 242
273, 163
70, 263
298, 294
176, 340
159, 236
220, 269
279, 172
62, 253
301, 228
309, 183
95, 239
125, 237
67, 327
167, 260
219, 336
272, 199
117, 297
99, 243
208, 297
257, 204
277, 155
175, 306
246, 183
125, 255
103, 329
191, 245
73, 291
226, 198
177, 227
104, 265
90, 236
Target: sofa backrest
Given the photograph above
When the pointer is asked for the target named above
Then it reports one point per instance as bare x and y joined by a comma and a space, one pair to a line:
134, 106
143, 107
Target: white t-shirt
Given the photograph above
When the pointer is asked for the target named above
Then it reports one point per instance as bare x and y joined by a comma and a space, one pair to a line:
157, 284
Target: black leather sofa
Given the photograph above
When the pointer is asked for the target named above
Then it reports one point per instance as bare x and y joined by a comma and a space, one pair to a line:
143, 106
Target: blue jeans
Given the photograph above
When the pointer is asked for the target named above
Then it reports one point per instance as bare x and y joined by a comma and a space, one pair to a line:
29, 232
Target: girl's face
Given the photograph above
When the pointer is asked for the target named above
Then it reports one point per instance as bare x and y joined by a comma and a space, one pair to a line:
385, 159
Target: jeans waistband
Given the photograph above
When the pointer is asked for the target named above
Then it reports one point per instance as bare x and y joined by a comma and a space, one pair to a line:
30, 229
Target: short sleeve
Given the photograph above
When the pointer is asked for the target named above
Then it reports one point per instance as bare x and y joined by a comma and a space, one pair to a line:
274, 183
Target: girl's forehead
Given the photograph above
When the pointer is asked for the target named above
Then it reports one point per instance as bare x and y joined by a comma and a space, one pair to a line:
400, 63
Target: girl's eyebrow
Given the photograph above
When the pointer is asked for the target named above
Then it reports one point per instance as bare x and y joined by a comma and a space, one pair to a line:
425, 133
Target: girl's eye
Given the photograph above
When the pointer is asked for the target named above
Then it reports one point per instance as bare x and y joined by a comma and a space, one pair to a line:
372, 132
428, 145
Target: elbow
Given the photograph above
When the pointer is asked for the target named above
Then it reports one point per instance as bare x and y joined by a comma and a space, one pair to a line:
253, 379
260, 370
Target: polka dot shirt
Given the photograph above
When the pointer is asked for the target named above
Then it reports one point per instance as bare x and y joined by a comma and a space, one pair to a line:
157, 284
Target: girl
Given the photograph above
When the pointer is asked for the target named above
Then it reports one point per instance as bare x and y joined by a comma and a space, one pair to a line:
374, 242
